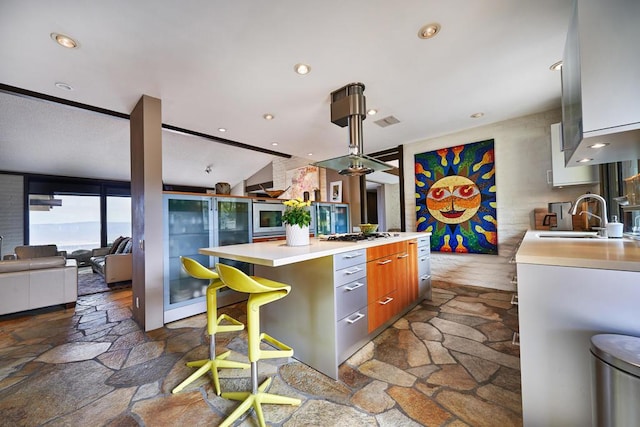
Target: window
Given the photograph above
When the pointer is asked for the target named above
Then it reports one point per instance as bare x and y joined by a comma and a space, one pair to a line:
70, 222
118, 217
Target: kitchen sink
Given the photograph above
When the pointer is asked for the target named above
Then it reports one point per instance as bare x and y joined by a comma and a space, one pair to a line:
569, 234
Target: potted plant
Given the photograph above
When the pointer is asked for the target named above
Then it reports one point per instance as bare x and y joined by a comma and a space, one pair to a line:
297, 218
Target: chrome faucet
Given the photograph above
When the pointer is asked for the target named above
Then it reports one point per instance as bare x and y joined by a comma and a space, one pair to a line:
602, 230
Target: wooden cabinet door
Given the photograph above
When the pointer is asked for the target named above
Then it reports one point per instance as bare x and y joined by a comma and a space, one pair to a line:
413, 269
382, 310
380, 277
407, 293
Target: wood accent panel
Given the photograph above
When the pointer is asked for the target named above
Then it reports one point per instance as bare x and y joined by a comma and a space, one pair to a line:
385, 250
407, 287
268, 239
387, 281
383, 309
381, 277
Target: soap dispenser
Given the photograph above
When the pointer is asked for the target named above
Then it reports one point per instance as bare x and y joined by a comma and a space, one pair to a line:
614, 228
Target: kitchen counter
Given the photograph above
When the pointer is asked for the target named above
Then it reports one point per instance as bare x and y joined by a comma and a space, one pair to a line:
569, 289
563, 251
277, 253
332, 310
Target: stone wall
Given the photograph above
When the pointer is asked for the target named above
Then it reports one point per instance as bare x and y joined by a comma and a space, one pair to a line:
11, 212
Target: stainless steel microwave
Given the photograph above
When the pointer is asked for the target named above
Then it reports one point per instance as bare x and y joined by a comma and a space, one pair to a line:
267, 218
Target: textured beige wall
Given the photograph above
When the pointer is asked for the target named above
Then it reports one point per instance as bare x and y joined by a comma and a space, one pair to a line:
11, 212
522, 158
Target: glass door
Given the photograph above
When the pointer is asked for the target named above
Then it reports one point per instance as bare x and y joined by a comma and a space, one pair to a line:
323, 224
341, 218
233, 227
187, 226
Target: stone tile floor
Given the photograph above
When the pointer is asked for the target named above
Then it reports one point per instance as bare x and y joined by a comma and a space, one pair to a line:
448, 362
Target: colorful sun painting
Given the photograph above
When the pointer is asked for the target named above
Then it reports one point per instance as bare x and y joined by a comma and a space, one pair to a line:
456, 198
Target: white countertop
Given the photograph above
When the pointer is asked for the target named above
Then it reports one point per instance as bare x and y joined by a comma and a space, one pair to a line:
604, 254
277, 253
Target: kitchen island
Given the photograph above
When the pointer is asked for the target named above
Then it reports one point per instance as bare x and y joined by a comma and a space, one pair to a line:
342, 293
569, 289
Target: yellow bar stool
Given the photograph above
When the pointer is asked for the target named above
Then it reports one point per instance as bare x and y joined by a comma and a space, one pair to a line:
214, 325
261, 291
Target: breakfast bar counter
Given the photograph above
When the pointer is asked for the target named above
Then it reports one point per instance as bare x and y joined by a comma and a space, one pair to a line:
342, 293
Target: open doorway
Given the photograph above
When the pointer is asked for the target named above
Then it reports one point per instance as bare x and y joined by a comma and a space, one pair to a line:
384, 193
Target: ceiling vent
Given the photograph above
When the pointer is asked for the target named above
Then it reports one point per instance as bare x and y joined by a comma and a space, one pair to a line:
387, 121
348, 108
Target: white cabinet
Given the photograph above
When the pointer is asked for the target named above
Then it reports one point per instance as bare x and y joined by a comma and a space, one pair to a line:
424, 267
600, 90
562, 176
194, 222
559, 309
350, 280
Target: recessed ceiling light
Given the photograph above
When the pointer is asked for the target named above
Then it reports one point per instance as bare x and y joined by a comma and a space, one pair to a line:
302, 69
556, 67
309, 154
584, 160
429, 31
372, 112
222, 129
599, 145
274, 144
477, 115
64, 86
64, 41
268, 116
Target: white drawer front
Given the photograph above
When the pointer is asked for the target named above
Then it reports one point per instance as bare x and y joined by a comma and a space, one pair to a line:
424, 241
350, 330
424, 265
351, 297
424, 251
349, 274
348, 259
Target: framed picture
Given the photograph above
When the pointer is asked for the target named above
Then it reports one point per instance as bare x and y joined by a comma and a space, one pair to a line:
456, 198
336, 191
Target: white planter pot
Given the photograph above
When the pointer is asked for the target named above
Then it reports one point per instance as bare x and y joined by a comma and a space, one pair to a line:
296, 235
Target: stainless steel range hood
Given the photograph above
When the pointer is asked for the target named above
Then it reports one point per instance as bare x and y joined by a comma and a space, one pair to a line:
348, 108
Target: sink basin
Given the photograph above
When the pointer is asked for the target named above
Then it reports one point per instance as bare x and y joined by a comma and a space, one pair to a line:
569, 234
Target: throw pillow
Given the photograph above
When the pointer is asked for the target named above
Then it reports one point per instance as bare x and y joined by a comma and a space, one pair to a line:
114, 246
122, 245
127, 247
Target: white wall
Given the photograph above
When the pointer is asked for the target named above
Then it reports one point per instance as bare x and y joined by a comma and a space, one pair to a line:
522, 157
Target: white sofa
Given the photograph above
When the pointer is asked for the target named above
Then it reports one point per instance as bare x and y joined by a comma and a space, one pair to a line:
114, 263
26, 284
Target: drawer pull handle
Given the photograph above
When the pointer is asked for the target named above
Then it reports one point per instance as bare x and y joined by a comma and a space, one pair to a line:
403, 256
413, 243
355, 286
354, 320
354, 271
425, 277
386, 301
423, 259
387, 261
354, 255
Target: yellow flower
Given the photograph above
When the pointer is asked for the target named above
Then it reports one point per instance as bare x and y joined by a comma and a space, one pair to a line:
296, 212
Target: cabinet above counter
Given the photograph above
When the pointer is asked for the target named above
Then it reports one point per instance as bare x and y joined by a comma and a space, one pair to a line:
599, 83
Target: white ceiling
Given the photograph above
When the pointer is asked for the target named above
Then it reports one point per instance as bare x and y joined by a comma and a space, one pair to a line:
226, 63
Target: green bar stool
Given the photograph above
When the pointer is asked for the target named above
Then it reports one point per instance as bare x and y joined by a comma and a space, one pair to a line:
261, 291
214, 325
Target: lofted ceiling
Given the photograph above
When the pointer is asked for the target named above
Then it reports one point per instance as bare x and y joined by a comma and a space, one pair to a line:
224, 64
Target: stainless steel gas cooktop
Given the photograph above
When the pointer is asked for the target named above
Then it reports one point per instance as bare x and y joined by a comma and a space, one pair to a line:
352, 237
